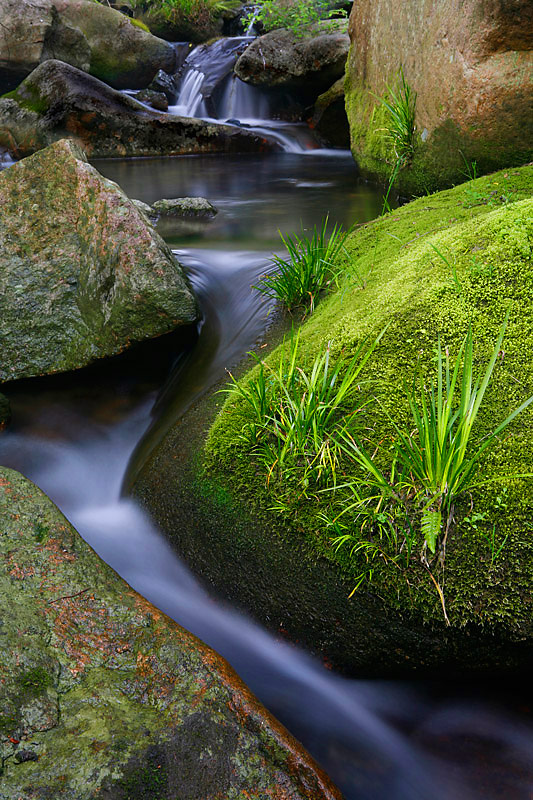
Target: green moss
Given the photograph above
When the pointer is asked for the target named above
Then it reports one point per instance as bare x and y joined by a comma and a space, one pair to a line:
35, 681
406, 285
139, 24
27, 96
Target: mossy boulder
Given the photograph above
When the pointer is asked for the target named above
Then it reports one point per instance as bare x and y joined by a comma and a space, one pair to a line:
83, 274
281, 565
88, 35
307, 65
471, 65
58, 100
101, 695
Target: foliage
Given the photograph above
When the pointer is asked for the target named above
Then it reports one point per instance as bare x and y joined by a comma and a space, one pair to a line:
308, 270
400, 105
293, 16
295, 420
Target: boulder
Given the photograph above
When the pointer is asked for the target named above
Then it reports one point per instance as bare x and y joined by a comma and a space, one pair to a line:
88, 35
101, 695
185, 207
83, 274
58, 100
263, 524
307, 65
329, 118
470, 63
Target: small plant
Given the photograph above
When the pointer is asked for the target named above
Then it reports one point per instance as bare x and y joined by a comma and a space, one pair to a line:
296, 418
294, 16
400, 104
308, 270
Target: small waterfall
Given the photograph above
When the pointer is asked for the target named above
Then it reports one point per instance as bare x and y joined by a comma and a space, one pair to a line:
190, 98
243, 102
252, 13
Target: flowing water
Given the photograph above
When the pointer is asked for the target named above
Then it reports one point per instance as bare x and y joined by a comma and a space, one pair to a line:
74, 436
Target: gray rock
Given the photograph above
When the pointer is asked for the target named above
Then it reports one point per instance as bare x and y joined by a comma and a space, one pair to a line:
87, 35
307, 65
185, 207
83, 275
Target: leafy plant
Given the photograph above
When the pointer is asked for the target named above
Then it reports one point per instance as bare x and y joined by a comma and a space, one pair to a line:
295, 419
294, 16
308, 270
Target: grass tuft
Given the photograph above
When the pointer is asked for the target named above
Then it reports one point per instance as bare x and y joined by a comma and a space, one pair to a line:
308, 270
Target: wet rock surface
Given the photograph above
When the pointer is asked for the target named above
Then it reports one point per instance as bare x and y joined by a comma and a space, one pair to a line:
329, 118
83, 274
87, 35
308, 65
102, 695
58, 100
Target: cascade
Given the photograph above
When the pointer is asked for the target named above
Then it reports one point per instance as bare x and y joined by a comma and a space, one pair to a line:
190, 97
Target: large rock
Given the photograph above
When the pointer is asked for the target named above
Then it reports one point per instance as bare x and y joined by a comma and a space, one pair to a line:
101, 695
307, 65
82, 272
471, 64
58, 100
220, 507
88, 35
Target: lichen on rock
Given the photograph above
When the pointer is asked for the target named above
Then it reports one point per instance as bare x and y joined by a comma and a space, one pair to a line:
101, 695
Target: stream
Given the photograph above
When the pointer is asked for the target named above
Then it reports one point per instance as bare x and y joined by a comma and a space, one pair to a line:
74, 436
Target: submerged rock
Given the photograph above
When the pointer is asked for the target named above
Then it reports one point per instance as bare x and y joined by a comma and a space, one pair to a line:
307, 65
470, 64
83, 274
58, 100
87, 35
185, 207
101, 695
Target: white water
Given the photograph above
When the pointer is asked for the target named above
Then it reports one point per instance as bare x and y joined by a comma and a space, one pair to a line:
190, 98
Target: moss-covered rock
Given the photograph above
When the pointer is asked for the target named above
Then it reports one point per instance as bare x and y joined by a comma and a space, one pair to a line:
471, 66
58, 100
282, 566
83, 274
88, 35
101, 695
